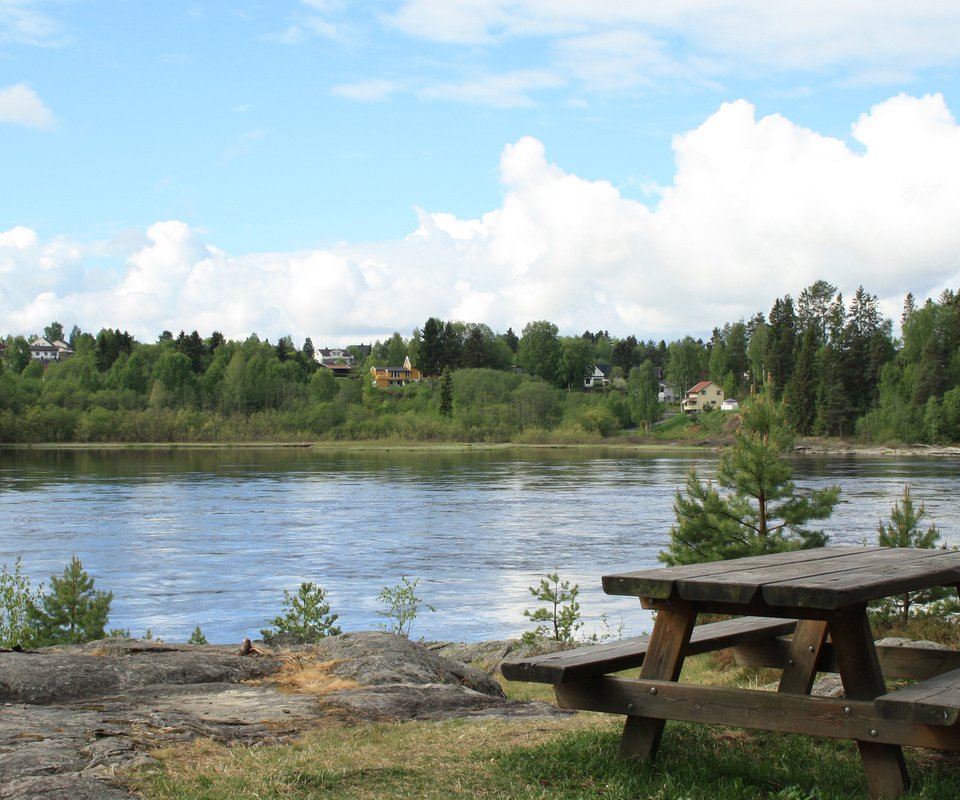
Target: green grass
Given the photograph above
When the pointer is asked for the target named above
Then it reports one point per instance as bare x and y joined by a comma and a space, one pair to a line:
573, 758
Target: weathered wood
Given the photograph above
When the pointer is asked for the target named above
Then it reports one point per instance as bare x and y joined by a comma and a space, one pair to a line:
935, 701
741, 585
895, 571
668, 643
602, 659
859, 667
800, 668
660, 582
752, 708
902, 661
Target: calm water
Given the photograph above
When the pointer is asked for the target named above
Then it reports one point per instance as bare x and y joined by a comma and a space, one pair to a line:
212, 538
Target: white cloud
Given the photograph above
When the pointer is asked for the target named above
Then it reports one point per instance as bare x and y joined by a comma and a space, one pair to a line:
505, 90
821, 34
20, 105
758, 208
22, 23
368, 91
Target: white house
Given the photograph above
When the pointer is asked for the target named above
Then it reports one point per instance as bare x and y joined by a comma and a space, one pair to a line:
44, 351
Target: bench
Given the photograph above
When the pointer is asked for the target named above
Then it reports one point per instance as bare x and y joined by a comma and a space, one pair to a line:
935, 701
602, 659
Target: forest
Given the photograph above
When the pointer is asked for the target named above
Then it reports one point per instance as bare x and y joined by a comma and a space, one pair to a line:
836, 366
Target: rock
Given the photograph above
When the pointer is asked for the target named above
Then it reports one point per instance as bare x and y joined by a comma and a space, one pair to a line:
60, 677
376, 658
73, 718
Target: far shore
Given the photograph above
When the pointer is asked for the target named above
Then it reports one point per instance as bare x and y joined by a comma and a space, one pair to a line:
805, 446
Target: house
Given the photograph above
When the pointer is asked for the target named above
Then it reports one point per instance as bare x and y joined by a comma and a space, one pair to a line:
338, 370
385, 377
701, 397
599, 375
730, 404
333, 355
44, 351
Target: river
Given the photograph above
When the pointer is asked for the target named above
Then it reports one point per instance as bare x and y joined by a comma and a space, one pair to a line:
212, 537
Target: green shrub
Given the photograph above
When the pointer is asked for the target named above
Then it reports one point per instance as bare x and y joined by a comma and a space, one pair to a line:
306, 618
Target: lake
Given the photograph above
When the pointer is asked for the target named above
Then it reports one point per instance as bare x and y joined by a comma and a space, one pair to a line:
212, 537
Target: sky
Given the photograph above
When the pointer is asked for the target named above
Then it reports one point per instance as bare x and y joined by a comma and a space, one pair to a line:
344, 170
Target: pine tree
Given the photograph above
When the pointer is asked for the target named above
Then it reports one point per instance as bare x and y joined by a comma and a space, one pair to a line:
759, 510
903, 530
446, 393
73, 612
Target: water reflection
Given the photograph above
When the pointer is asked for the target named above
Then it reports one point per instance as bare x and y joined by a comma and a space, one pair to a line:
212, 537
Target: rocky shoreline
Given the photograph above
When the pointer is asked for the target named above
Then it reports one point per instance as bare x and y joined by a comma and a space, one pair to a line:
74, 719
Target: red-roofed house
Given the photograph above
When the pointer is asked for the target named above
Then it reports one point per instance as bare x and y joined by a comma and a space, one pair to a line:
704, 395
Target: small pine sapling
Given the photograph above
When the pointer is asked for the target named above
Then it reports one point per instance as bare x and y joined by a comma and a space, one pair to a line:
306, 618
560, 616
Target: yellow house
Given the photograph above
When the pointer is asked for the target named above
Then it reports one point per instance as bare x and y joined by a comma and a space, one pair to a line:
704, 395
385, 377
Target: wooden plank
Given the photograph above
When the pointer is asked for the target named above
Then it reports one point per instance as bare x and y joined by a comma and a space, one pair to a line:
738, 585
608, 657
901, 570
800, 668
668, 643
659, 582
822, 717
906, 661
935, 701
859, 667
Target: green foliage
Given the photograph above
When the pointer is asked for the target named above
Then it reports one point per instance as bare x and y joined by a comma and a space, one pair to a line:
306, 617
16, 598
642, 390
759, 510
903, 530
197, 636
402, 605
446, 394
73, 612
559, 617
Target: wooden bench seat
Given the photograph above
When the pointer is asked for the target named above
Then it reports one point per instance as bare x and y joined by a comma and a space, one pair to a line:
935, 701
603, 659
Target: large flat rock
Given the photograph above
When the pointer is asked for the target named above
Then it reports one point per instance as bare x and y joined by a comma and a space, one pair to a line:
72, 719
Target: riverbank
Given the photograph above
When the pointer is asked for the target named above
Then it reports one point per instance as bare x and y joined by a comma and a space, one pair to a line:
630, 443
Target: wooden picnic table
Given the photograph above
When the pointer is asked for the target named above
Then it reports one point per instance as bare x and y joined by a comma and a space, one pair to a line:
822, 596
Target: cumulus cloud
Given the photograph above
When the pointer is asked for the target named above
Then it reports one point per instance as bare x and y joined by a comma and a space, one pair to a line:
20, 105
758, 208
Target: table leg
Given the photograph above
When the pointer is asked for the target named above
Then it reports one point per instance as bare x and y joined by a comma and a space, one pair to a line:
859, 668
663, 661
801, 667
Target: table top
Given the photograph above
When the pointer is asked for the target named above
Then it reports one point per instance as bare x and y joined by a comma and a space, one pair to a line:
825, 578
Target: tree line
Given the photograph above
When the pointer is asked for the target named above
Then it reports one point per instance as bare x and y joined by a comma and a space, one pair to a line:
836, 366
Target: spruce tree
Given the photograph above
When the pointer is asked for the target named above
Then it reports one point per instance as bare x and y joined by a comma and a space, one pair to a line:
754, 507
73, 612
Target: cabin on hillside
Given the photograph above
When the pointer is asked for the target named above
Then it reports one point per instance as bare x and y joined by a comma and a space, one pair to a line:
387, 377
702, 396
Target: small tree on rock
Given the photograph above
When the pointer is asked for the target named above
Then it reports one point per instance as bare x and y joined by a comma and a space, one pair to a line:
755, 507
306, 618
74, 612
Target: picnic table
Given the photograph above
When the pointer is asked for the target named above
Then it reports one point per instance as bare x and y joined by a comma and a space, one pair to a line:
803, 612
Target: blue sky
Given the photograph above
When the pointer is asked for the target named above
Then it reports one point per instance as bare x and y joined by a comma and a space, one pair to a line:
342, 170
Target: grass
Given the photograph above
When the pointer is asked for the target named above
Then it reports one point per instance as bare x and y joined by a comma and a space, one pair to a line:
573, 758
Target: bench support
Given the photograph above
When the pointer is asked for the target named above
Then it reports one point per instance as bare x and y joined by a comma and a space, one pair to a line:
664, 660
859, 667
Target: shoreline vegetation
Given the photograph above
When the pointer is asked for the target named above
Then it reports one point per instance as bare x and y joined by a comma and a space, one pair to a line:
809, 446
